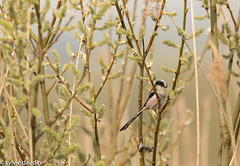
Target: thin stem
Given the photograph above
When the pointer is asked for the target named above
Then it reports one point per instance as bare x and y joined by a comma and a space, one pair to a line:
196, 85
140, 134
236, 118
15, 110
40, 67
52, 23
155, 29
231, 13
31, 136
177, 73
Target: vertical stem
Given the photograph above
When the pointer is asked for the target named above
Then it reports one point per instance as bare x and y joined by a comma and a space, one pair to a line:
196, 86
225, 141
40, 67
31, 136
173, 88
156, 140
140, 134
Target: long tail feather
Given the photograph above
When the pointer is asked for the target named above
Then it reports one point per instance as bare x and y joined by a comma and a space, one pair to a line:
131, 120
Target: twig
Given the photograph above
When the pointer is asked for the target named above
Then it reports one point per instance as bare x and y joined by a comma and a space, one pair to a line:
31, 136
15, 110
10, 120
196, 85
231, 13
59, 4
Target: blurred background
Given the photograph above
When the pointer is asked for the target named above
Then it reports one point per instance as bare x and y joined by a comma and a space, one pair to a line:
184, 152
182, 147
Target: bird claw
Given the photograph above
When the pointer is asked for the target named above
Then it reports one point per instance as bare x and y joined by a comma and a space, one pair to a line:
141, 147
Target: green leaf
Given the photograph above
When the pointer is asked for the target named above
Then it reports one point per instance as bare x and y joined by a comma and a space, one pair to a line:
223, 38
84, 87
81, 155
180, 31
77, 36
170, 43
120, 55
163, 28
85, 112
165, 145
141, 32
81, 28
238, 83
189, 118
101, 163
197, 33
168, 69
135, 58
69, 50
103, 65
74, 70
142, 78
170, 14
102, 10
103, 73
188, 65
116, 75
101, 111
14, 81
88, 101
179, 91
51, 133
7, 139
200, 17
235, 74
228, 56
20, 101
36, 113
6, 24
120, 31
112, 23
92, 121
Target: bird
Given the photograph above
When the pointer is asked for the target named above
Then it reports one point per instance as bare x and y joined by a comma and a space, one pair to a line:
151, 101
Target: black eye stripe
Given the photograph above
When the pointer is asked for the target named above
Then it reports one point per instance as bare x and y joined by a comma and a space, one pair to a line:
161, 83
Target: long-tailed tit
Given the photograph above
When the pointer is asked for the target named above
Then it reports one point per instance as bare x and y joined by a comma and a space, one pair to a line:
152, 101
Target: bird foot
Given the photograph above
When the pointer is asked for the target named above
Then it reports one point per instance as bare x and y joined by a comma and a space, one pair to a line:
141, 147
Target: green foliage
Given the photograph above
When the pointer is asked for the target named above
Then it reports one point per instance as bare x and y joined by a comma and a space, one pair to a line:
170, 43
116, 75
36, 113
69, 50
101, 111
7, 138
120, 31
168, 69
21, 101
120, 55
181, 32
30, 77
170, 14
101, 163
201, 17
103, 65
102, 10
74, 70
197, 33
81, 28
188, 62
141, 32
6, 25
135, 58
142, 78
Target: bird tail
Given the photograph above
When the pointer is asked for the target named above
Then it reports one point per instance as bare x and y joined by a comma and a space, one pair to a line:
131, 120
